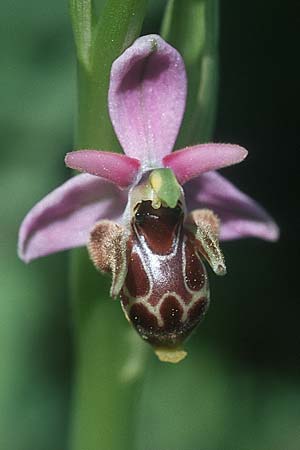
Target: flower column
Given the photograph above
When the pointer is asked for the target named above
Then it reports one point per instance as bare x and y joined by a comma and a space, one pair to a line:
108, 355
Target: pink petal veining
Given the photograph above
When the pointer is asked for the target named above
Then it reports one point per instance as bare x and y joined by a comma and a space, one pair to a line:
240, 215
147, 98
192, 161
63, 219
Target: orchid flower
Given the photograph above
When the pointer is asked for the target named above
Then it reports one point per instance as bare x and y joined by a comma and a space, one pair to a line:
149, 217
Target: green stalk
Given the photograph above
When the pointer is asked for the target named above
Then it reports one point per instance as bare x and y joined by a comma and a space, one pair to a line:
109, 356
99, 41
191, 26
109, 360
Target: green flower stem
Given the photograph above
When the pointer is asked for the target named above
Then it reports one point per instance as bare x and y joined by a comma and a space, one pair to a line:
109, 362
109, 356
191, 26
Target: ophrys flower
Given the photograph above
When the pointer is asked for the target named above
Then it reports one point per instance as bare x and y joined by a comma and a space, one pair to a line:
150, 217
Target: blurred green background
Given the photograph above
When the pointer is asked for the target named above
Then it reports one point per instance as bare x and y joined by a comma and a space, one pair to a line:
240, 386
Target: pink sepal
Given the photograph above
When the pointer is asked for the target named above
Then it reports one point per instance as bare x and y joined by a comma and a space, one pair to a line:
147, 98
240, 215
64, 218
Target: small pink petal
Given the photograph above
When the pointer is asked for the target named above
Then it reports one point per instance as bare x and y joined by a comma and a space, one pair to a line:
190, 162
147, 98
119, 169
63, 219
240, 215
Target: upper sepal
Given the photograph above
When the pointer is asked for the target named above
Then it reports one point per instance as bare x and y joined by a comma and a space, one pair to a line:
146, 99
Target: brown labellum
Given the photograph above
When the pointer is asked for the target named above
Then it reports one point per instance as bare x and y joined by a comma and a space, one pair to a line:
158, 271
166, 278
